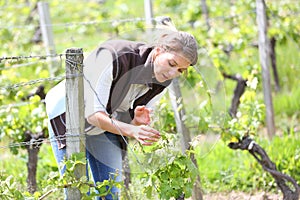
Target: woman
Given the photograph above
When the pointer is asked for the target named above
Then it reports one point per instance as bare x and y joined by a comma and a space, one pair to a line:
134, 76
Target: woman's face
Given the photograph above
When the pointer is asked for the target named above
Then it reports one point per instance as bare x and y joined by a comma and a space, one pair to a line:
168, 65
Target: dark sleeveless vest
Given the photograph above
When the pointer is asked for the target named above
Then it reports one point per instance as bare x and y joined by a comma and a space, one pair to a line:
131, 65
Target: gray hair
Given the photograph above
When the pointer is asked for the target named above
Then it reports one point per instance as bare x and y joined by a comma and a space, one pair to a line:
180, 42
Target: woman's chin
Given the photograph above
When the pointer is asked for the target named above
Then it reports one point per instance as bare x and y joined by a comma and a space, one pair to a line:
160, 80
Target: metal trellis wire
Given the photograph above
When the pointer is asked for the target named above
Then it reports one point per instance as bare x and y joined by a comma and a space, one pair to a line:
32, 82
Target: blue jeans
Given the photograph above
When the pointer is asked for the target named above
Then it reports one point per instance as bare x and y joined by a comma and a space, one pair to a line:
104, 155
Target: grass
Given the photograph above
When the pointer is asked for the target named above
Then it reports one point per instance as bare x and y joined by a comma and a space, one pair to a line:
223, 169
14, 165
288, 62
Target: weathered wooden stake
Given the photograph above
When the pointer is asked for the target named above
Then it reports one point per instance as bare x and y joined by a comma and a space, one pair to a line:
205, 13
47, 33
148, 12
178, 108
75, 112
264, 56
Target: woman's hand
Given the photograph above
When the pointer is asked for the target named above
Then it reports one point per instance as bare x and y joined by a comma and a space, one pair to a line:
145, 135
141, 116
142, 133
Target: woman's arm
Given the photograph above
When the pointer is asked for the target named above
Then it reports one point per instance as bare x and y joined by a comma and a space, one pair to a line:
144, 134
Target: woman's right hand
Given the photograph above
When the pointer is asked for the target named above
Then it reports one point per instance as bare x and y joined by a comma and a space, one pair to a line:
142, 116
145, 134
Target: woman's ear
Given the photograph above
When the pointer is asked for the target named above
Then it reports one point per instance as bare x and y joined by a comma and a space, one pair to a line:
157, 51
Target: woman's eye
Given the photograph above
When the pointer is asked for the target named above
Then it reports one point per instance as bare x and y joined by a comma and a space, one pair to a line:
172, 64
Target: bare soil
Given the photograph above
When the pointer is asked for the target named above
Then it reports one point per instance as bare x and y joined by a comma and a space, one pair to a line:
242, 196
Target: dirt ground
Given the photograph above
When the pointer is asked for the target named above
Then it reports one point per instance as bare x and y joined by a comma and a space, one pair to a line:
242, 196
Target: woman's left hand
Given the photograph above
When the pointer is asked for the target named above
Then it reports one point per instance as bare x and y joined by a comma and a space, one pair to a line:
142, 116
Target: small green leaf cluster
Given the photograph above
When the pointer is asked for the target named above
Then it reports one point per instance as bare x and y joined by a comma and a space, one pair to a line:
164, 116
176, 178
249, 118
166, 171
9, 189
15, 121
71, 180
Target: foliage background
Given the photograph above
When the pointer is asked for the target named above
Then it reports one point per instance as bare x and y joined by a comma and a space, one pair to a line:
232, 23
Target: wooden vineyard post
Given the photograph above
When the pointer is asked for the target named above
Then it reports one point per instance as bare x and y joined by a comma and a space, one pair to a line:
75, 113
47, 33
264, 49
178, 108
